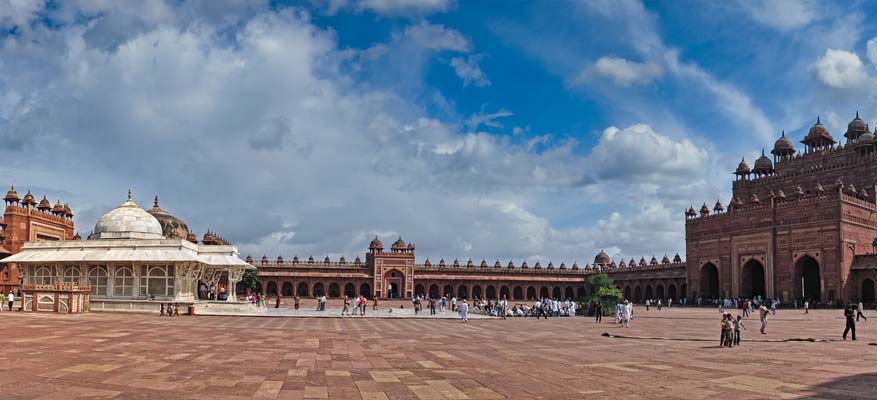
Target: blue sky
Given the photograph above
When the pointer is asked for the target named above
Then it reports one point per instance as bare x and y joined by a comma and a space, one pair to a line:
521, 130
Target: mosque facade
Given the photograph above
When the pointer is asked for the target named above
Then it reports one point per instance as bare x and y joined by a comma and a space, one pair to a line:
395, 273
800, 224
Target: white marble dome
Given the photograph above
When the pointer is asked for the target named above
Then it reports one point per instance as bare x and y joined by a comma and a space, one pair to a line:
127, 221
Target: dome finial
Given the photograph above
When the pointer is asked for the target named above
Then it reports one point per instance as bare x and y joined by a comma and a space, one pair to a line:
818, 122
762, 151
129, 193
857, 114
784, 133
155, 203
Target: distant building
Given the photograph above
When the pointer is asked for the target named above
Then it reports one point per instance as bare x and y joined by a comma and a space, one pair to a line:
26, 220
396, 274
132, 261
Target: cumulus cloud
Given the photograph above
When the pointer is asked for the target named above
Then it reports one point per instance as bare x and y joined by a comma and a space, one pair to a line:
469, 71
267, 139
783, 15
840, 69
872, 51
638, 154
621, 71
19, 13
437, 37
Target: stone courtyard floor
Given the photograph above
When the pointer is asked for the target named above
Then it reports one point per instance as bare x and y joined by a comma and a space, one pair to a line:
46, 356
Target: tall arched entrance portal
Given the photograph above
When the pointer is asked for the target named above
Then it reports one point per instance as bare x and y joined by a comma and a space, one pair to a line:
752, 280
807, 278
394, 284
709, 281
868, 291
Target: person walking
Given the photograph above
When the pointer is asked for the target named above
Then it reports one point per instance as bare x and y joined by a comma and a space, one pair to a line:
453, 303
464, 312
626, 313
806, 306
362, 304
374, 305
346, 309
763, 312
540, 310
11, 299
648, 303
431, 305
851, 322
859, 312
598, 311
659, 305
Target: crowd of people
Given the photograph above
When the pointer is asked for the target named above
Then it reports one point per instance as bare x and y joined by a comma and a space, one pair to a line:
731, 326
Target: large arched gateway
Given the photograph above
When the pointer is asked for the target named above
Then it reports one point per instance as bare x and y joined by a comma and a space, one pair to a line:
709, 281
807, 278
752, 280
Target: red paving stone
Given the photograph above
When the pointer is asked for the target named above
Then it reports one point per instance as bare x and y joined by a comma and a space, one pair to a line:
48, 356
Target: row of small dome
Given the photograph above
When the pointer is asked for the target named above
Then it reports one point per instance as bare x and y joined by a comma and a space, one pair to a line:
60, 210
601, 260
399, 245
780, 195
818, 136
310, 260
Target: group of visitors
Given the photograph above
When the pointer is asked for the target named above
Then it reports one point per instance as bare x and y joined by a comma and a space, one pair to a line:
658, 303
731, 330
169, 310
10, 298
356, 305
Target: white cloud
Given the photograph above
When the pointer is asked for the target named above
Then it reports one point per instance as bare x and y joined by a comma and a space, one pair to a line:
469, 71
783, 15
405, 7
872, 51
638, 154
19, 13
840, 69
730, 100
487, 119
623, 72
437, 37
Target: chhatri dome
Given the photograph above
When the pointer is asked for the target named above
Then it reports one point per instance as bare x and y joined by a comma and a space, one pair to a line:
127, 221
171, 226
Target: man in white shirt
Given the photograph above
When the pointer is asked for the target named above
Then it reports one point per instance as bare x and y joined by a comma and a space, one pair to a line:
11, 298
453, 303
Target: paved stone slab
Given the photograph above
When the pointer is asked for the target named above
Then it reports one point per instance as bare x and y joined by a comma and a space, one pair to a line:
671, 354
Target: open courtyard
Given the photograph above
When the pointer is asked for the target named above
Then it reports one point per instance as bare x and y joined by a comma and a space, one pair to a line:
672, 353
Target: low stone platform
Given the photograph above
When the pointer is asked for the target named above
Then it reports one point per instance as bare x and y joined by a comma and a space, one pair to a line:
107, 355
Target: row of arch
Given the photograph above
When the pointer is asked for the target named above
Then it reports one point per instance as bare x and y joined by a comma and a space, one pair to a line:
499, 291
304, 289
638, 293
807, 281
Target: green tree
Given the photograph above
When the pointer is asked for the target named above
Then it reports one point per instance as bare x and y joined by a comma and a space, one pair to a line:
603, 290
250, 280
